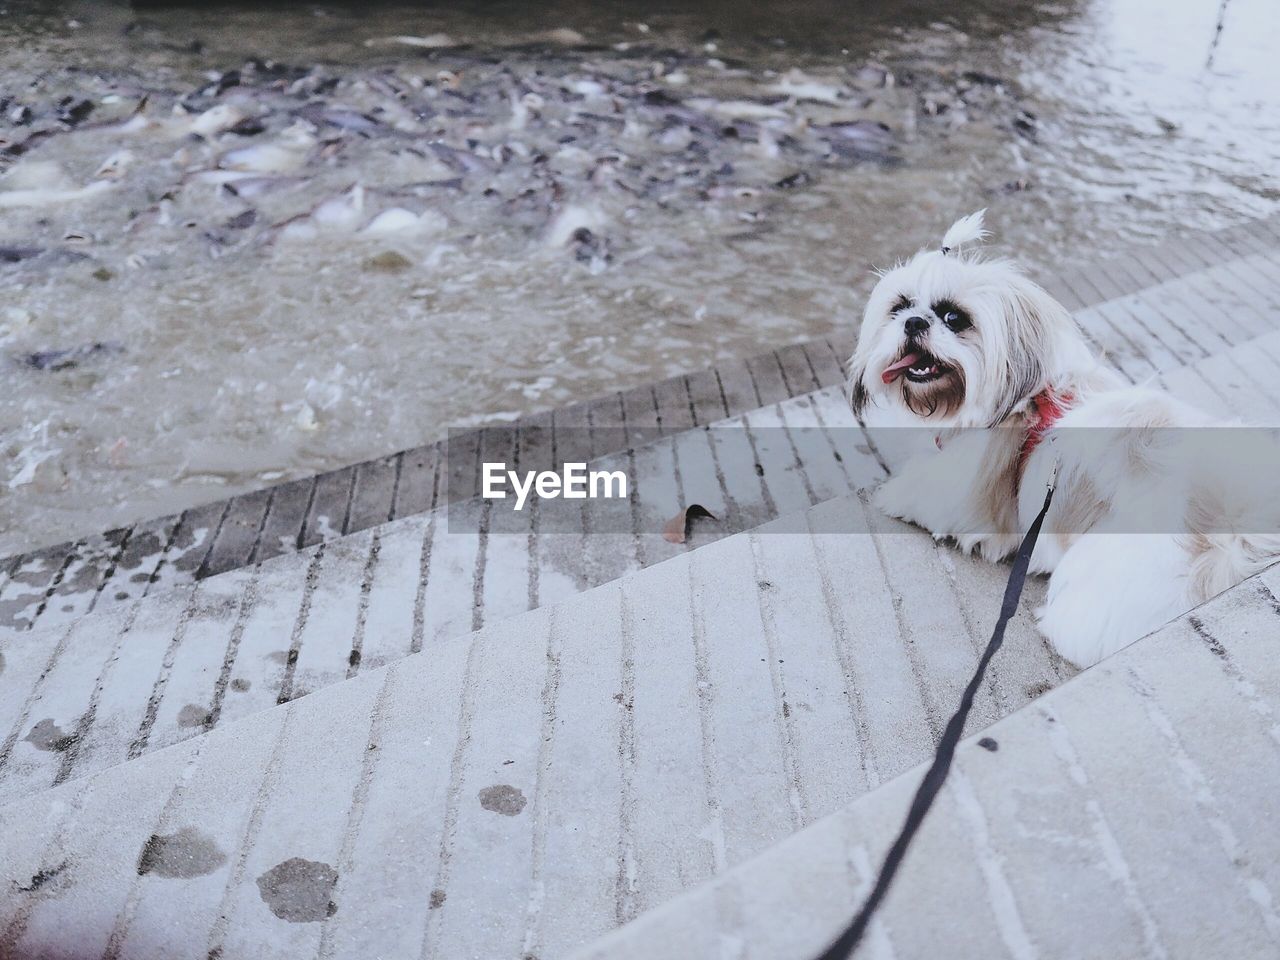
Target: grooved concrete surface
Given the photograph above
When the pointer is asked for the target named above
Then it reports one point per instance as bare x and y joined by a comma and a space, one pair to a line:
1129, 813
136, 677
60, 583
523, 789
496, 763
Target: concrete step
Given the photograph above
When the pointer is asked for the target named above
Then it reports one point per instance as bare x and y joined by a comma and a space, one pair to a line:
1240, 383
136, 677
524, 789
1128, 813
59, 583
1150, 264
1186, 320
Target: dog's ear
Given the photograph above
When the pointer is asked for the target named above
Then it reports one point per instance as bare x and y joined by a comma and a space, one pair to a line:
1031, 317
855, 388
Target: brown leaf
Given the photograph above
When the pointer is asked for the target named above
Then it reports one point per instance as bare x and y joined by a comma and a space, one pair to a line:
676, 530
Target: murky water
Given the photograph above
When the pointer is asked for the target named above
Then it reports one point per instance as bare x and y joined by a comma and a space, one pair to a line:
581, 197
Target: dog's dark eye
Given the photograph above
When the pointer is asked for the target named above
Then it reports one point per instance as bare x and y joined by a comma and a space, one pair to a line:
900, 304
955, 318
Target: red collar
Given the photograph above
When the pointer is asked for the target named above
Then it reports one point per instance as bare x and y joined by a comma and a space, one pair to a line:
1048, 408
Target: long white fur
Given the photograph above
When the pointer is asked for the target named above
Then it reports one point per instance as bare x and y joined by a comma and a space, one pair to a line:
965, 230
1109, 585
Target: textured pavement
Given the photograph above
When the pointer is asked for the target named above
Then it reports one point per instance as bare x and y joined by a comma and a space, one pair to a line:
260, 730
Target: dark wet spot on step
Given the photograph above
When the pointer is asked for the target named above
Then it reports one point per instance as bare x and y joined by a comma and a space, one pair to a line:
17, 612
437, 899
142, 546
502, 798
189, 561
240, 684
193, 715
986, 743
184, 854
47, 735
42, 878
122, 595
354, 659
300, 891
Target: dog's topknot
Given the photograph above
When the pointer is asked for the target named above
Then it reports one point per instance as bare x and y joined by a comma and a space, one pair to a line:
965, 230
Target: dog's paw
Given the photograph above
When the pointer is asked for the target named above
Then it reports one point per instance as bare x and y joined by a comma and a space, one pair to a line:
893, 498
992, 547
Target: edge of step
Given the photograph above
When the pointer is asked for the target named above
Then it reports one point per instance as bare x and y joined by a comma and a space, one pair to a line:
65, 580
127, 679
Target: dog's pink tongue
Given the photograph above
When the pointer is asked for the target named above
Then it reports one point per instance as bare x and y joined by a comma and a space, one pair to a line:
893, 371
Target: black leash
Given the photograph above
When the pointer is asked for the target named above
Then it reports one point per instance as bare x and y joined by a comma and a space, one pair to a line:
848, 941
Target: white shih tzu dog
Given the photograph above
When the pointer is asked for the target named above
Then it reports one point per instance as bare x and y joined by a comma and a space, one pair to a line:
1152, 513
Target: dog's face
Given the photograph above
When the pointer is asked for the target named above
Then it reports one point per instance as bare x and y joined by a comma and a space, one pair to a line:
954, 341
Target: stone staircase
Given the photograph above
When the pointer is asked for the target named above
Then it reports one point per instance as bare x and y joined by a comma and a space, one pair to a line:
357, 715
1128, 813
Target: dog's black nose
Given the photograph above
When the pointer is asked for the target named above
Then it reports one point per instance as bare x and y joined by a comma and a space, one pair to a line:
915, 325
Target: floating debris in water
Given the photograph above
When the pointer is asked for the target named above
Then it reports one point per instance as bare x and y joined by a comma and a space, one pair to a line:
18, 254
798, 179
72, 112
389, 261
224, 116
544, 120
70, 358
398, 220
436, 41
1026, 124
